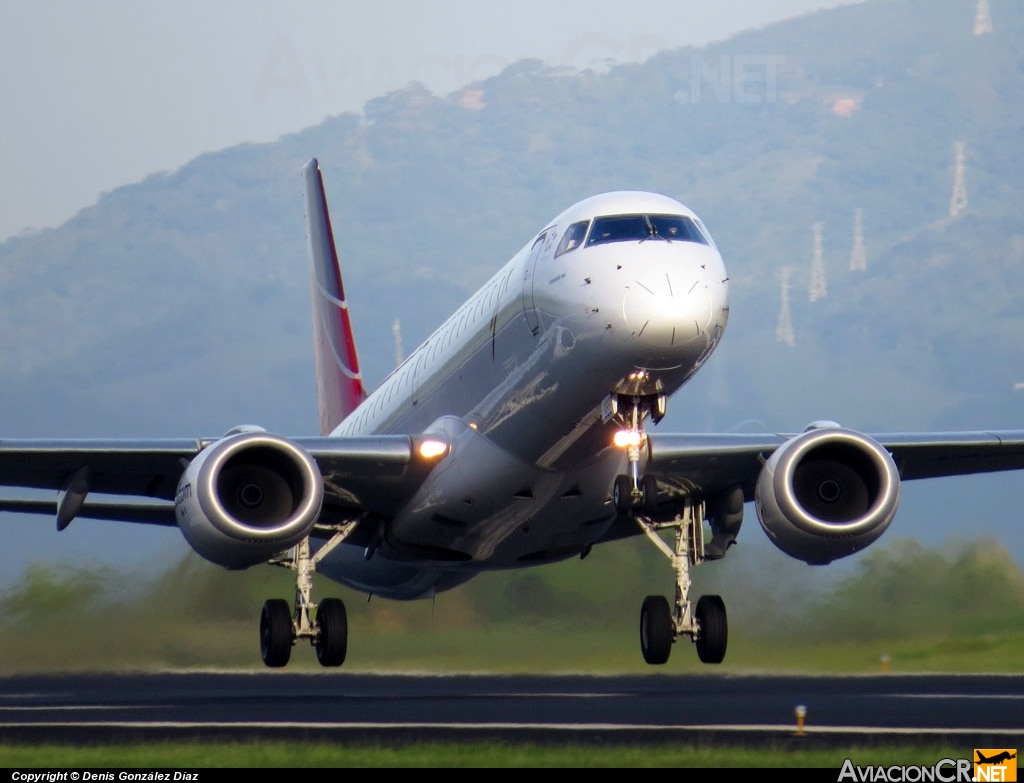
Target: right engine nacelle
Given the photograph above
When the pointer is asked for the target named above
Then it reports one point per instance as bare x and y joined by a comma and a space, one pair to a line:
827, 493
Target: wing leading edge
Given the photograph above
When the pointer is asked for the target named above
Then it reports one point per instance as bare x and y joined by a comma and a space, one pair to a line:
138, 479
707, 464
380, 473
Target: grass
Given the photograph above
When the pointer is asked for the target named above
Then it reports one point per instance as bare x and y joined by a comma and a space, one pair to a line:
519, 648
467, 755
514, 648
958, 609
904, 609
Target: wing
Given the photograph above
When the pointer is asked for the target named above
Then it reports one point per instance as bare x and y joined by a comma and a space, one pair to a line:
704, 465
137, 480
250, 494
708, 464
822, 494
926, 455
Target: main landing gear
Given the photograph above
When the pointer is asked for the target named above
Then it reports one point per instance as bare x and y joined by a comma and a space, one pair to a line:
661, 623
281, 627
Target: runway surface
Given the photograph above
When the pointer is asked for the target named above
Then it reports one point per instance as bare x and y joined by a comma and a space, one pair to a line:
972, 711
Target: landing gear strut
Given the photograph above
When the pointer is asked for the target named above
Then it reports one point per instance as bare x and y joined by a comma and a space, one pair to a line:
281, 628
660, 624
631, 489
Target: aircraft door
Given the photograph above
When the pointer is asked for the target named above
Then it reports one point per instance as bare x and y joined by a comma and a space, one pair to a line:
542, 243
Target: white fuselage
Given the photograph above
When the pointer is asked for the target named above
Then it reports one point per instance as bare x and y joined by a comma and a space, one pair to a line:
519, 378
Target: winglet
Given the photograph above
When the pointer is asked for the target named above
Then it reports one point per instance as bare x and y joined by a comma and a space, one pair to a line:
339, 383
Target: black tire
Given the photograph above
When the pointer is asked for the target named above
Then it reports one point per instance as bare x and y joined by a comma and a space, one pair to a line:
276, 633
332, 639
712, 629
622, 494
656, 629
649, 493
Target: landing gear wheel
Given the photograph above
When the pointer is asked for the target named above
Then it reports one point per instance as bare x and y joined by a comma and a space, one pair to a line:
622, 494
276, 633
332, 640
656, 629
649, 494
713, 629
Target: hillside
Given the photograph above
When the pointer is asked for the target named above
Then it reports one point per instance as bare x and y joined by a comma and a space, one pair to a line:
179, 304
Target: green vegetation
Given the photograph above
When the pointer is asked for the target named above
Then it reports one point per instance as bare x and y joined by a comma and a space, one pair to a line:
273, 754
959, 608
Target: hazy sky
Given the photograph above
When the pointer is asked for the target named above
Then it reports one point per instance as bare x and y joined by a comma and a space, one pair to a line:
99, 94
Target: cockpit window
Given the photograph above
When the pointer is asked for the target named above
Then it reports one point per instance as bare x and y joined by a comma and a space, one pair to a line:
674, 227
618, 228
626, 228
704, 232
573, 237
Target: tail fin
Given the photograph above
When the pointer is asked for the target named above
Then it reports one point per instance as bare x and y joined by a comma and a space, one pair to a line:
339, 383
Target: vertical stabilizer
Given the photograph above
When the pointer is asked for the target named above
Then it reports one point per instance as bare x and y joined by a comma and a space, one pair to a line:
339, 383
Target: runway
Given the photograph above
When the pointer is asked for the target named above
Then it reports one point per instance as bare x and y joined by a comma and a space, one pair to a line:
972, 711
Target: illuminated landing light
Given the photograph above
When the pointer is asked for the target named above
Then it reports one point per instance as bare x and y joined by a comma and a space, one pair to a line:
432, 449
639, 375
625, 439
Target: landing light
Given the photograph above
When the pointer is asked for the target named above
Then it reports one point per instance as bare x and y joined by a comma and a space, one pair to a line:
639, 375
432, 449
626, 438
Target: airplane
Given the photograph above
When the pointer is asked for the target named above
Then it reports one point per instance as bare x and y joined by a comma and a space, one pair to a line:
516, 435
1004, 756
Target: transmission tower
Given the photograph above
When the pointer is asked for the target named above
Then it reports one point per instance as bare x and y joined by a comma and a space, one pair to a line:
396, 330
818, 287
983, 18
784, 327
958, 202
858, 256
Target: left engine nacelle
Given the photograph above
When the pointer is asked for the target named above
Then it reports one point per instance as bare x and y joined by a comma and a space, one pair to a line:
247, 497
827, 493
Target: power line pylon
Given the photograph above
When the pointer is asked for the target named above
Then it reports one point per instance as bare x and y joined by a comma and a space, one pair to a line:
818, 288
983, 18
784, 327
858, 256
958, 202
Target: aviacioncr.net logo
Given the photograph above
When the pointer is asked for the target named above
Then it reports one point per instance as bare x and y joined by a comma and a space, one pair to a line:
995, 764
943, 771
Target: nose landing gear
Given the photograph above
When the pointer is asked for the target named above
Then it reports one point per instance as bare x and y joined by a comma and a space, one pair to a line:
631, 490
661, 623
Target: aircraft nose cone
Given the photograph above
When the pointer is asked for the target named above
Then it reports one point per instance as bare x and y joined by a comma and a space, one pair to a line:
670, 309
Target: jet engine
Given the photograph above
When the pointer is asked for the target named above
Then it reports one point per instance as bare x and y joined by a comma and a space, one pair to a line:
247, 497
827, 493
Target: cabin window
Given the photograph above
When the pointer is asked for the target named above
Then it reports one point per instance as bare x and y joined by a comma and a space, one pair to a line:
572, 238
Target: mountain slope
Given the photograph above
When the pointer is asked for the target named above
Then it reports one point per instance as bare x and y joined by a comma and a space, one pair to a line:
179, 305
